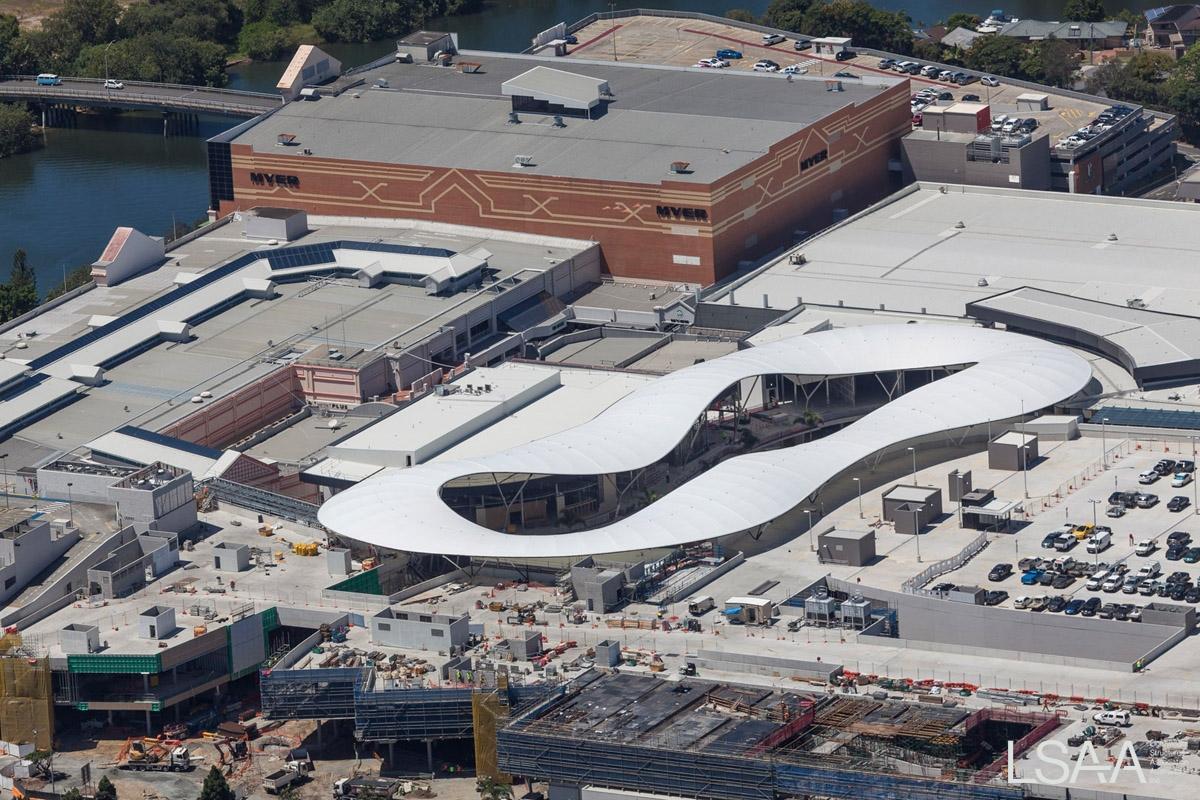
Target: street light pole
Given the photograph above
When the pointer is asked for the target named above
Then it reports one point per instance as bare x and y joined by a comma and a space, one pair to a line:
1025, 467
917, 529
858, 482
4, 470
1195, 498
913, 450
812, 535
70, 502
1104, 441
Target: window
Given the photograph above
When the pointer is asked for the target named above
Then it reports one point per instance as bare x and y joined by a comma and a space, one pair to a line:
426, 618
10, 582
384, 626
437, 632
402, 615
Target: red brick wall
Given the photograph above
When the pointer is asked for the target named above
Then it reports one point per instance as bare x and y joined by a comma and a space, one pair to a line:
623, 217
222, 422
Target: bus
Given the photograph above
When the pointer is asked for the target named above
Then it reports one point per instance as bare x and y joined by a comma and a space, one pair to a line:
49, 79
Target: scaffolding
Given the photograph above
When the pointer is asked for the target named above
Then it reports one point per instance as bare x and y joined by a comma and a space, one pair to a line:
26, 701
488, 710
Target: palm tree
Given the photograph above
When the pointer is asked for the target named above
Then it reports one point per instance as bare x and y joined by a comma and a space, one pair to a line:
491, 789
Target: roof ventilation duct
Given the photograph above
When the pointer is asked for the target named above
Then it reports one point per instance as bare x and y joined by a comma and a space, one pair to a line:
513, 119
558, 121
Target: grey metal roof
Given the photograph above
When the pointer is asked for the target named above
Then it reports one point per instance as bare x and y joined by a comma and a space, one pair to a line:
437, 116
1039, 29
570, 89
960, 37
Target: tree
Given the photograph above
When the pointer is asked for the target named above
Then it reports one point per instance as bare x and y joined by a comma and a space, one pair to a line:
22, 291
263, 41
1182, 90
93, 21
1051, 61
16, 130
361, 20
740, 15
209, 20
864, 24
999, 55
491, 789
787, 15
72, 794
9, 30
962, 19
1084, 10
215, 787
158, 56
106, 791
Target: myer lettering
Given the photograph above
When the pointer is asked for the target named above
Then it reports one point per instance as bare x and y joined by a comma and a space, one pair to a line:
268, 179
814, 159
687, 214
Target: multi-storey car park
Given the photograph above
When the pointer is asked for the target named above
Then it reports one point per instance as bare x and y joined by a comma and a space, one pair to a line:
526, 471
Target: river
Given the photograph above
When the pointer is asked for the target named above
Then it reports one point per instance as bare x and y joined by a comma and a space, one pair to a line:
61, 202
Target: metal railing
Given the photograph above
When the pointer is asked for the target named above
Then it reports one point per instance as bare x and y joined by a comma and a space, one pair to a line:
913, 585
151, 84
194, 100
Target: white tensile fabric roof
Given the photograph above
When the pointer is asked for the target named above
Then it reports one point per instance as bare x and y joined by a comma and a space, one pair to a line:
401, 508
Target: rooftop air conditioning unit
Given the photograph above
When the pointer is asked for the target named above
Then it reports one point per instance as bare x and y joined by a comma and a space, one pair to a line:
796, 259
522, 161
558, 121
513, 118
681, 167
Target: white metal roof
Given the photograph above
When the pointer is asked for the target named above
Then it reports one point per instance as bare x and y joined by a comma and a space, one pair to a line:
569, 89
402, 509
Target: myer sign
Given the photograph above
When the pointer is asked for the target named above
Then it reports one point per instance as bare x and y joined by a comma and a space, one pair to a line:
271, 179
1059, 770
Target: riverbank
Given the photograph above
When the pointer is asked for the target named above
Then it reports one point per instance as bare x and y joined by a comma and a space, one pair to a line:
17, 133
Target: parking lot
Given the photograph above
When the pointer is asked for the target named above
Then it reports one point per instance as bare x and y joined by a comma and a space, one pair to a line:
684, 42
1080, 511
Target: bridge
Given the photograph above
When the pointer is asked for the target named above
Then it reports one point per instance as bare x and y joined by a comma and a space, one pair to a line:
169, 97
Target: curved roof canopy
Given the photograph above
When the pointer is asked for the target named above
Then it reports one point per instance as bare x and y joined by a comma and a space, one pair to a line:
401, 508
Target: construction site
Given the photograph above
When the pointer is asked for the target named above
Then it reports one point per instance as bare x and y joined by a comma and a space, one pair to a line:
724, 741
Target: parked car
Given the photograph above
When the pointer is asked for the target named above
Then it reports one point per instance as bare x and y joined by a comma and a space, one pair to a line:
1119, 717
1096, 580
712, 63
769, 39
794, 69
1181, 538
841, 73
962, 78
1000, 572
1176, 552
1091, 606
945, 75
1145, 547
1146, 500
1150, 570
1047, 578
1131, 585
970, 98
845, 55
1122, 611
1149, 588
1062, 581
1165, 466
1029, 125
1107, 611
1111, 583
766, 65
110, 83
1065, 542
1148, 477
1115, 511
1192, 555
1135, 614
729, 53
1192, 594
1022, 602
1056, 604
1030, 578
1049, 539
995, 598
988, 80
1083, 531
1075, 606
1178, 503
887, 63
1185, 466
1039, 603
1181, 479
803, 44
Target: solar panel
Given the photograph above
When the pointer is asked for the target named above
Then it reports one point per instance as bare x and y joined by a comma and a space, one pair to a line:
1148, 417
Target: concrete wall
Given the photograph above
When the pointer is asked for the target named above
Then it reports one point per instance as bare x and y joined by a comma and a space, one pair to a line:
414, 629
25, 558
945, 626
945, 161
169, 507
84, 488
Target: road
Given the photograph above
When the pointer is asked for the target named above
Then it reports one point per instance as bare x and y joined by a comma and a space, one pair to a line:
162, 96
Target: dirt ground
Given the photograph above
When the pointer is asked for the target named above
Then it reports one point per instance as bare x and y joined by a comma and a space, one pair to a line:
335, 759
30, 13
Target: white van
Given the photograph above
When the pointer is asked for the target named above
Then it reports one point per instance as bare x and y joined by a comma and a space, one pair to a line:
700, 605
1118, 717
1099, 542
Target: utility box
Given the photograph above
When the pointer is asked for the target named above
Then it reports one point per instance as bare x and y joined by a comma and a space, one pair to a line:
337, 561
1013, 451
958, 484
76, 639
853, 548
749, 610
902, 502
156, 622
229, 557
1033, 101
281, 224
608, 653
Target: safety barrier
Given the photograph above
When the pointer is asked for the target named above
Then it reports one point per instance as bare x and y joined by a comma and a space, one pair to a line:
913, 585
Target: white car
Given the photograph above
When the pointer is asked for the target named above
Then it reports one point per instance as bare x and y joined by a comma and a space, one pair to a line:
713, 63
1116, 511
1148, 477
1118, 717
1145, 547
1022, 602
794, 69
1181, 479
945, 75
766, 66
113, 84
1151, 570
1096, 580
1011, 125
769, 39
988, 80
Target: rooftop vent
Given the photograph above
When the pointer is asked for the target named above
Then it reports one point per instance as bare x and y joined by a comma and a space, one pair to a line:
681, 167
982, 282
520, 161
1112, 237
513, 119
558, 121
286, 140
960, 225
382, 83
796, 259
